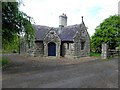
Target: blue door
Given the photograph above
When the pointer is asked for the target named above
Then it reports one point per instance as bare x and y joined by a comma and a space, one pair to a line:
51, 49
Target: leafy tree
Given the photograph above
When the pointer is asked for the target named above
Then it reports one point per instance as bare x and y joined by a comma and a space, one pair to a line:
14, 22
107, 32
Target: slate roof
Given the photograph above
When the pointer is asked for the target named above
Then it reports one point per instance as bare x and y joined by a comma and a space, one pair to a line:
66, 34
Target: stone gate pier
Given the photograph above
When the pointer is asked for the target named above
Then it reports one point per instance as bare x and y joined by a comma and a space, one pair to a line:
104, 53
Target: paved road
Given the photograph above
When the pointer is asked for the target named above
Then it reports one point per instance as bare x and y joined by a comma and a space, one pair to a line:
26, 73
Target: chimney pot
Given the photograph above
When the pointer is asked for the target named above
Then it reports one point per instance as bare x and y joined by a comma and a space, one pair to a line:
62, 20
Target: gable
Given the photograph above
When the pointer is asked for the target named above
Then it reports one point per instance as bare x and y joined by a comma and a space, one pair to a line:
52, 36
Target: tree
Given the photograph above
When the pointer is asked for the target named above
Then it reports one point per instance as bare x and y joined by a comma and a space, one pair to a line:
13, 23
107, 32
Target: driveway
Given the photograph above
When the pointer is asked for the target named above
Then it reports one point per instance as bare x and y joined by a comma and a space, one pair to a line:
29, 72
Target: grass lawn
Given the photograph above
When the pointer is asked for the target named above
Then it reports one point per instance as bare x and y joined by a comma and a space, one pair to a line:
95, 54
3, 61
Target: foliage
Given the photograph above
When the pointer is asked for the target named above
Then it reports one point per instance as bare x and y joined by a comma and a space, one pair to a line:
107, 32
14, 22
11, 45
118, 48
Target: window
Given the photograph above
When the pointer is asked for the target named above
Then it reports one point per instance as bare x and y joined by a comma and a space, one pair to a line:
67, 45
52, 32
82, 45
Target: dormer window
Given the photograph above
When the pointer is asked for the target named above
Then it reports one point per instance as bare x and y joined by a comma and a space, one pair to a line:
83, 33
82, 45
67, 45
52, 32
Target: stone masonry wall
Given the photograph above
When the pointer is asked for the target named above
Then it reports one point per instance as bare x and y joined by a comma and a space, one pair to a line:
39, 49
86, 50
69, 50
77, 45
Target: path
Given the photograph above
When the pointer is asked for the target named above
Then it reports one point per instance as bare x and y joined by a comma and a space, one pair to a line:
24, 72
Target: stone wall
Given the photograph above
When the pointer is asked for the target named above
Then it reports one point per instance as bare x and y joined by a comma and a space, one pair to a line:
87, 44
22, 46
39, 49
104, 54
77, 45
69, 49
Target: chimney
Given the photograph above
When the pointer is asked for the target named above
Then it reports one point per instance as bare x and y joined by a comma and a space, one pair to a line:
62, 20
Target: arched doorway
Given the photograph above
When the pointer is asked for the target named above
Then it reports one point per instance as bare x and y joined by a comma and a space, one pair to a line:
51, 49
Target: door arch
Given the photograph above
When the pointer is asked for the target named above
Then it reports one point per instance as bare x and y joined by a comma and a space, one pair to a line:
51, 49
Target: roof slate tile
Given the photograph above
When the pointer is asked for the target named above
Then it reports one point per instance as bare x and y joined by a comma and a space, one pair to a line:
66, 33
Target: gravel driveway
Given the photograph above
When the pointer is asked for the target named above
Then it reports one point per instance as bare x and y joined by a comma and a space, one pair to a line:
88, 72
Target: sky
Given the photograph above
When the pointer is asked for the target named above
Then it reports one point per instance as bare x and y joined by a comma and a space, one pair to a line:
46, 12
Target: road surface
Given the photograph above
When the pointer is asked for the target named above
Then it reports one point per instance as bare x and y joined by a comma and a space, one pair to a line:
24, 72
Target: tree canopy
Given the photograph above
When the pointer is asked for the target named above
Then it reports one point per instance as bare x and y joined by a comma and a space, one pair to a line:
107, 32
13, 23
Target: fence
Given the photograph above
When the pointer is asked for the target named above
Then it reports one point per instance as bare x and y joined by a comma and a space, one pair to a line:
112, 53
106, 52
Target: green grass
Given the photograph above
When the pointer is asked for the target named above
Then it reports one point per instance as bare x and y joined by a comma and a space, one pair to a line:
4, 61
8, 51
95, 54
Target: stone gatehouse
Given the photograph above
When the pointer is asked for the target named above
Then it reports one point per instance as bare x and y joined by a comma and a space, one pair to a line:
65, 41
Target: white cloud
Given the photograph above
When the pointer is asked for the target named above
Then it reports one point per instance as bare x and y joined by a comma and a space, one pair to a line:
46, 12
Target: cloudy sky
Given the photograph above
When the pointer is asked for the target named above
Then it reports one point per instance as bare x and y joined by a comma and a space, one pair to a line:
46, 12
